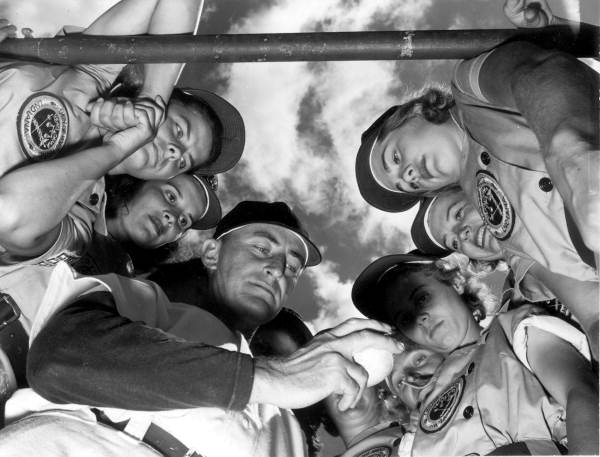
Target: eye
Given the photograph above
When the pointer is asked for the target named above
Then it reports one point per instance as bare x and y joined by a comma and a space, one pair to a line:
184, 222
170, 196
460, 214
455, 245
422, 299
178, 131
396, 158
420, 360
261, 249
294, 266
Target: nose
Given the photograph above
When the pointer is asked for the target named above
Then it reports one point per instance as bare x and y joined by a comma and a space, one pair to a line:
423, 320
276, 266
173, 152
465, 233
169, 218
410, 173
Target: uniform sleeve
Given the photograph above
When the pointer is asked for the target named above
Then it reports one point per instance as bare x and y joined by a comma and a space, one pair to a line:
466, 78
549, 324
89, 354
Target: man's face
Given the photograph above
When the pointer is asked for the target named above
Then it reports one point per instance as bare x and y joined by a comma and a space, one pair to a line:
257, 269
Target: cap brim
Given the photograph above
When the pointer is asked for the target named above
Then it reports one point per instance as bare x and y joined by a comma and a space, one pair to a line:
370, 189
314, 255
233, 136
213, 214
365, 291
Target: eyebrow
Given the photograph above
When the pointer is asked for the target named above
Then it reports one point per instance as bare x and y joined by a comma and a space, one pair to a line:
174, 186
415, 291
274, 240
385, 165
186, 123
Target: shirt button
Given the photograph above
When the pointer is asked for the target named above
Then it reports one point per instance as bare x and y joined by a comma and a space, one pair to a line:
470, 369
94, 199
546, 184
485, 158
468, 412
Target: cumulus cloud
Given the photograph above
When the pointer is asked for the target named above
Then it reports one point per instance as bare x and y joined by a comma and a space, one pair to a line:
46, 18
332, 295
308, 155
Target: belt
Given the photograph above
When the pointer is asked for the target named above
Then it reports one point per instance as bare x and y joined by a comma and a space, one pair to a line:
14, 340
155, 436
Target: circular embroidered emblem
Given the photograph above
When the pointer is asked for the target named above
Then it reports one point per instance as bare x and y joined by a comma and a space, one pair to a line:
381, 451
43, 125
442, 408
494, 206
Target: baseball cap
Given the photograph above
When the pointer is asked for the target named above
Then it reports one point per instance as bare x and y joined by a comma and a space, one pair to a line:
372, 191
276, 213
212, 212
233, 136
366, 293
420, 231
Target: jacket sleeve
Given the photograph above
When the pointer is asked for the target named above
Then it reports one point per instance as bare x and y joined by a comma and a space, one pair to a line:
89, 354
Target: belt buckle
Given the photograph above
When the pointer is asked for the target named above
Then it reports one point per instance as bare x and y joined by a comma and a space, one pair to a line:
9, 311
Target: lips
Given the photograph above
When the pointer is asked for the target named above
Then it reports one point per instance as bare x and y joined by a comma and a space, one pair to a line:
481, 234
424, 171
156, 225
267, 288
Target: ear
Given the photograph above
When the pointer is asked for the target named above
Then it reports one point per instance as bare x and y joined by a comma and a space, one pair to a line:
209, 253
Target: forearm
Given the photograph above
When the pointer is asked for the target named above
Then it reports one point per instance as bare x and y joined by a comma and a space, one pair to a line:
169, 18
582, 421
89, 354
35, 198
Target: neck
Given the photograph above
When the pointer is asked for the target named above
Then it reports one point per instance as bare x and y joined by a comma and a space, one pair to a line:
216, 305
462, 141
115, 228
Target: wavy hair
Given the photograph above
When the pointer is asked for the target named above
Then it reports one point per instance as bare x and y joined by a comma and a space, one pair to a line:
433, 105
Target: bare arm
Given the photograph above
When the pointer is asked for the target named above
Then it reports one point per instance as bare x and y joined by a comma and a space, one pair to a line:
581, 297
558, 96
569, 379
35, 198
155, 17
321, 368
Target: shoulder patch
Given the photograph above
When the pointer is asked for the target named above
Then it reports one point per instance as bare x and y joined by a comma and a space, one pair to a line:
42, 125
439, 412
494, 206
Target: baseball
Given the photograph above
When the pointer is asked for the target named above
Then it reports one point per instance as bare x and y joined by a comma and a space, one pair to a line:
377, 362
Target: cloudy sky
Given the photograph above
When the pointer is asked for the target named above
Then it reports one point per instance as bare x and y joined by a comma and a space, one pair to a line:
304, 120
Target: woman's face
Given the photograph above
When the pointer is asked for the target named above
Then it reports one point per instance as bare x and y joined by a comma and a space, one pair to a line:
412, 373
429, 312
418, 156
183, 142
455, 223
162, 211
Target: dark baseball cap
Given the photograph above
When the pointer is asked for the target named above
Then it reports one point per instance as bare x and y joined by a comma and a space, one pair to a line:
420, 231
212, 213
233, 136
276, 213
373, 192
366, 293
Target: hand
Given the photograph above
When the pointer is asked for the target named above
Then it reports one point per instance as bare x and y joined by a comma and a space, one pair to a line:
528, 13
323, 367
7, 30
140, 120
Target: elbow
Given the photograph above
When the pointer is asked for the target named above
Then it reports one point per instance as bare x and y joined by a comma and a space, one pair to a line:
43, 371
